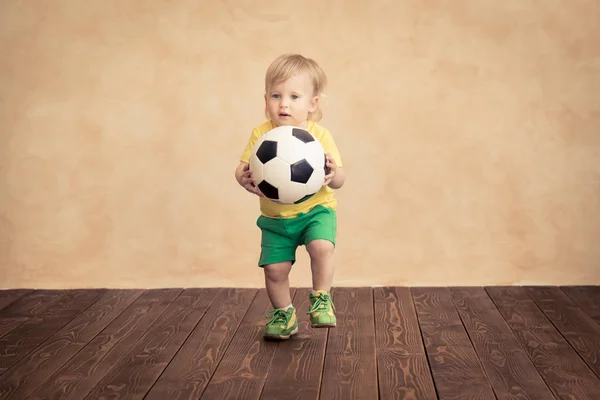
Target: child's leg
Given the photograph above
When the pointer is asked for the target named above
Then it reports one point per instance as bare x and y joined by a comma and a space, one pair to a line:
319, 239
277, 283
322, 310
277, 256
283, 321
321, 253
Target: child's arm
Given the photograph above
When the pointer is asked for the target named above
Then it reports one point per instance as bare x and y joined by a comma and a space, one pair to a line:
239, 171
243, 175
338, 179
336, 176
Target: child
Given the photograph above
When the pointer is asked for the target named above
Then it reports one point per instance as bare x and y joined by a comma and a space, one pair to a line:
293, 85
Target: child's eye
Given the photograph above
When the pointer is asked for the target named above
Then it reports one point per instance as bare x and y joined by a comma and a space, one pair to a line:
275, 96
294, 96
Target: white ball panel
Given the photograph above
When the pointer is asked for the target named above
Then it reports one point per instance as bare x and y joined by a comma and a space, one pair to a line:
277, 172
290, 149
316, 181
291, 192
278, 133
256, 168
315, 155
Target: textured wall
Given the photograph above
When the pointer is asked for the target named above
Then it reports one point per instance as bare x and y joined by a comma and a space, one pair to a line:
470, 132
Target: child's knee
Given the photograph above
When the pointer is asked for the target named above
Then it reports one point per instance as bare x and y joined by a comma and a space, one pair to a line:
277, 271
320, 248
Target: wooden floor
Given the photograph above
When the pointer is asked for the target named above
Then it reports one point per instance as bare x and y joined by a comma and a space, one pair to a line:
390, 343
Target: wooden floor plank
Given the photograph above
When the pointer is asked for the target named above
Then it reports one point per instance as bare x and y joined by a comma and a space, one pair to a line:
80, 374
32, 303
8, 324
350, 370
298, 363
243, 370
580, 330
8, 296
586, 297
403, 369
561, 367
511, 372
390, 342
28, 335
190, 370
19, 307
31, 371
456, 369
134, 374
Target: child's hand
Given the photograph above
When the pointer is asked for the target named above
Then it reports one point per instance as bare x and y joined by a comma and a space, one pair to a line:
248, 183
330, 169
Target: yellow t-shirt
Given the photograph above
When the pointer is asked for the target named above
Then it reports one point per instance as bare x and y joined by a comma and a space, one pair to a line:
325, 195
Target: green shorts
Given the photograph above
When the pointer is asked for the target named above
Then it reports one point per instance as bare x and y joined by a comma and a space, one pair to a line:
282, 236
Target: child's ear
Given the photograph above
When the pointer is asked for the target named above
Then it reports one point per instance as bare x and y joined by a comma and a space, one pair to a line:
314, 104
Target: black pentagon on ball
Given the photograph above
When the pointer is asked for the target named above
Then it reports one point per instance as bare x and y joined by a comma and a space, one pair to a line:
267, 151
301, 171
269, 190
303, 135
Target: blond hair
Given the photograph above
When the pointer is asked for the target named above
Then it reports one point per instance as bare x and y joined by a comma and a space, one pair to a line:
288, 65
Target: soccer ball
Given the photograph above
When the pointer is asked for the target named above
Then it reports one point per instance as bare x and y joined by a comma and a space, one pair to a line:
288, 164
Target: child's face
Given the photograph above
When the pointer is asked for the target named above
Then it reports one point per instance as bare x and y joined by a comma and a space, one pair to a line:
289, 102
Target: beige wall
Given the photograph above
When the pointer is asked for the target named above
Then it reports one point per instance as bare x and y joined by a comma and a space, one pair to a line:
470, 130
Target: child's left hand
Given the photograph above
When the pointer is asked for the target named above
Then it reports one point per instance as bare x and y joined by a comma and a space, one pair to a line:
331, 169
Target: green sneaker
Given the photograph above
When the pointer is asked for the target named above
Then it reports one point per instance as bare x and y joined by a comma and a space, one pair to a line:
282, 324
322, 310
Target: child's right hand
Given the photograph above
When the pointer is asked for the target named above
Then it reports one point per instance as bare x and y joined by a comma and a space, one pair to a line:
248, 183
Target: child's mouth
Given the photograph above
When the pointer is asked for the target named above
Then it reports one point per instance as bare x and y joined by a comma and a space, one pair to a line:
284, 115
